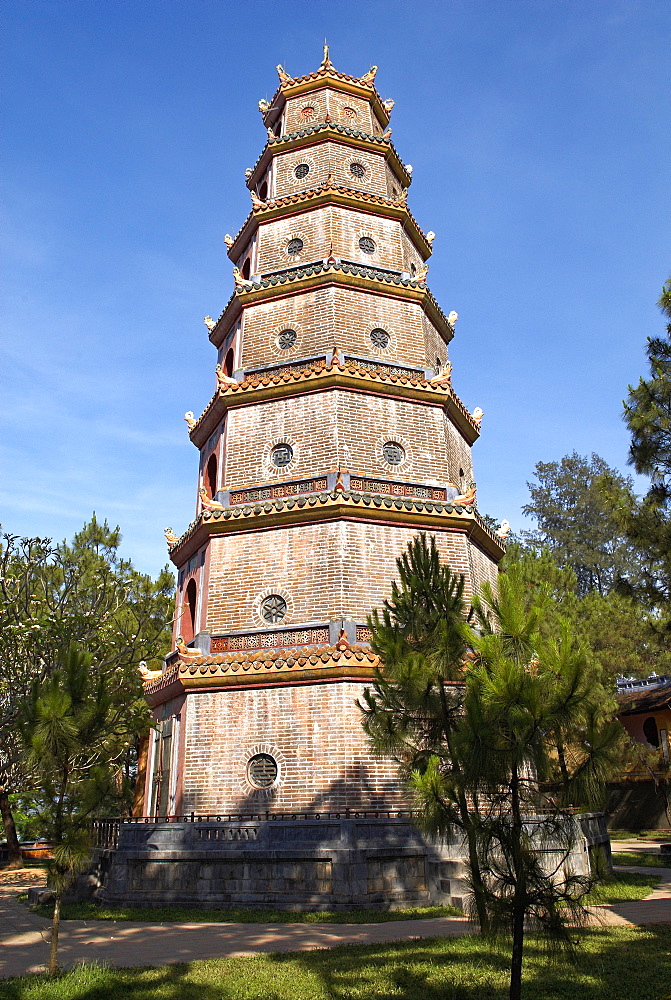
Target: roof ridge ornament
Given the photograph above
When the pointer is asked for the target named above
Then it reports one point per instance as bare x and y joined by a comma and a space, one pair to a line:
283, 75
369, 77
326, 60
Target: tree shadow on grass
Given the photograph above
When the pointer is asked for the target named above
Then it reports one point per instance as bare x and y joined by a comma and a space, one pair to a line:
612, 964
609, 963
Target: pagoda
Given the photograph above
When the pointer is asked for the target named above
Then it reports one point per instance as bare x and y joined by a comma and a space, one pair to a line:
333, 437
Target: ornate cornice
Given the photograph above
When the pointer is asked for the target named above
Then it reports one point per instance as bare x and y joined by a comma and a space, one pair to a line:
321, 131
263, 667
334, 506
330, 193
334, 374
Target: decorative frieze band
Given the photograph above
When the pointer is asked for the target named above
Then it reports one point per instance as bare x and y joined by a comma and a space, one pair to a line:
317, 485
270, 640
397, 489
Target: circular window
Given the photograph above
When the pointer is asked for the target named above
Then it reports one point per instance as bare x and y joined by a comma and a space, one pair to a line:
262, 770
273, 608
301, 171
393, 453
349, 113
294, 246
379, 337
307, 113
357, 170
367, 244
281, 455
287, 339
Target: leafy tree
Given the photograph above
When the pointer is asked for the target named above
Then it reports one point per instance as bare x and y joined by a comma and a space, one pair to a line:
51, 596
415, 707
575, 522
647, 522
72, 732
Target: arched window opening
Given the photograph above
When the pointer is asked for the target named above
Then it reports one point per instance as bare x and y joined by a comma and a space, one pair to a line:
211, 476
189, 616
229, 362
247, 268
263, 191
651, 732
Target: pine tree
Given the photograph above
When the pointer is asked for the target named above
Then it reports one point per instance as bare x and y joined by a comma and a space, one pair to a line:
534, 739
415, 707
647, 523
72, 731
576, 523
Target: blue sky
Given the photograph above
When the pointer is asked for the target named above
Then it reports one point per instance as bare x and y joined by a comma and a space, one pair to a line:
538, 133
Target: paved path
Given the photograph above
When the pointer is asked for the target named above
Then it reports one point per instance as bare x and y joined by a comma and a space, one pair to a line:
25, 936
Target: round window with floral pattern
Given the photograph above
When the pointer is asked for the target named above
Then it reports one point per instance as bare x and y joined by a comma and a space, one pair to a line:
273, 608
393, 453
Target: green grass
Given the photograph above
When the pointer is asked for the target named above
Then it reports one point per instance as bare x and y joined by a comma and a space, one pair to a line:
661, 835
185, 915
622, 887
613, 964
641, 858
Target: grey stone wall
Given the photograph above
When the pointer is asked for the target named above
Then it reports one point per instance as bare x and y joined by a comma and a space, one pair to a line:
285, 864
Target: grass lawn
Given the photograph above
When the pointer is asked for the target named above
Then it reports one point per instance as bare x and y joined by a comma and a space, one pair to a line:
652, 835
623, 886
183, 914
641, 858
612, 964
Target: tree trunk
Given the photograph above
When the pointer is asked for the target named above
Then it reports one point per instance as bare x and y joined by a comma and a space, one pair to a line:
518, 950
474, 866
55, 924
13, 849
520, 897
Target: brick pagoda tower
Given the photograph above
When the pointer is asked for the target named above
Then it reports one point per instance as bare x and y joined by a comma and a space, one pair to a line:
332, 438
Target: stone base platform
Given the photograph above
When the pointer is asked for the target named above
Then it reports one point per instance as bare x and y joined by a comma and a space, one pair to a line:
293, 863
332, 861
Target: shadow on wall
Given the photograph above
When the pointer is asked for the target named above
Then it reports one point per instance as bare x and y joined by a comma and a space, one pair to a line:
359, 788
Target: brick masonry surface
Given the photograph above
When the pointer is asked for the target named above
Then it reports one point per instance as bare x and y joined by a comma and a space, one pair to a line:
324, 571
314, 732
341, 317
340, 428
314, 107
334, 230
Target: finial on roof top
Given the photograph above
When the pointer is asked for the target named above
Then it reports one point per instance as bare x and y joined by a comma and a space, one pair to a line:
369, 77
283, 75
326, 61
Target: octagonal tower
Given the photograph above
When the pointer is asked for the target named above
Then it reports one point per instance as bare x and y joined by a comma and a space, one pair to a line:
334, 436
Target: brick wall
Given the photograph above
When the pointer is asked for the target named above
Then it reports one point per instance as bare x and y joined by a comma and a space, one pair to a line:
337, 229
343, 428
324, 571
313, 731
329, 102
344, 317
